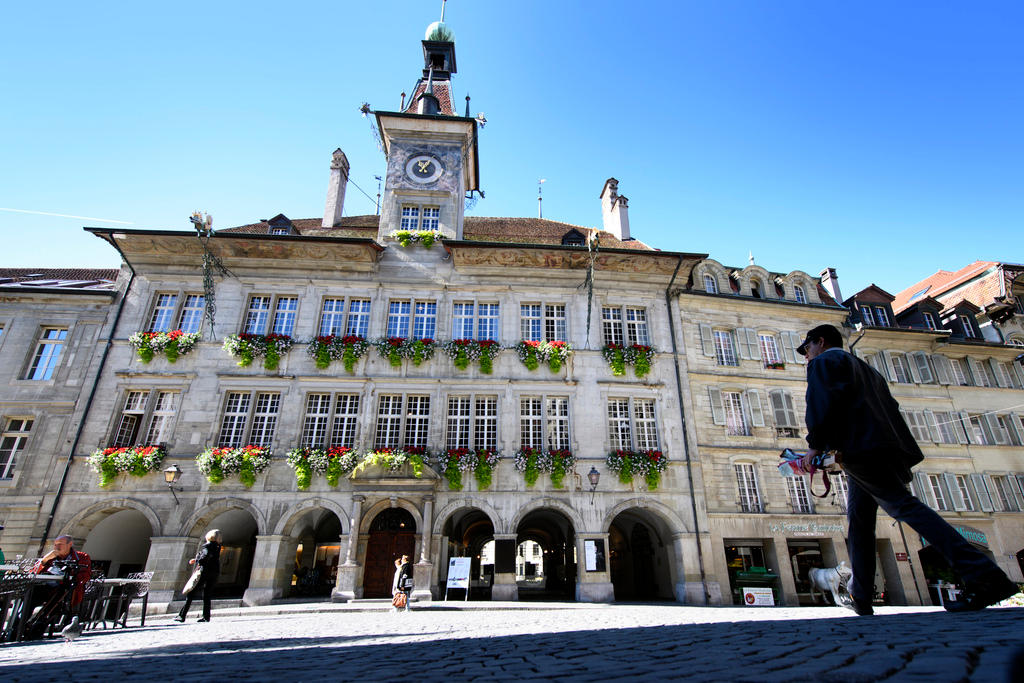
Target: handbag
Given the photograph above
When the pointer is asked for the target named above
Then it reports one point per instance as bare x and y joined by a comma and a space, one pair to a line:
399, 600
193, 581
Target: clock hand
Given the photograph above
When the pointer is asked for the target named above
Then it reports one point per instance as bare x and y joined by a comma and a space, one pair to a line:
424, 165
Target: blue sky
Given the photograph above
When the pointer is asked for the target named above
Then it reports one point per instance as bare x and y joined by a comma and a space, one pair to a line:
883, 139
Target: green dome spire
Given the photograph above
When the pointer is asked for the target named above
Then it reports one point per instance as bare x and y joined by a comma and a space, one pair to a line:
439, 31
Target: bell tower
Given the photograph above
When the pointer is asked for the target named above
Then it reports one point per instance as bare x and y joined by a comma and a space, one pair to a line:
431, 151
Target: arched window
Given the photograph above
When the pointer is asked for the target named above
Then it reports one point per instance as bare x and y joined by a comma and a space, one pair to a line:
710, 284
755, 289
798, 292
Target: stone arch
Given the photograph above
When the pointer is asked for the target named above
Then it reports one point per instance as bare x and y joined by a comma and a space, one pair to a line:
85, 520
674, 522
209, 511
810, 285
714, 269
444, 513
554, 504
753, 272
285, 525
371, 512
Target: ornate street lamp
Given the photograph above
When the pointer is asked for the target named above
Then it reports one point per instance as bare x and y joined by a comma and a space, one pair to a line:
171, 476
594, 476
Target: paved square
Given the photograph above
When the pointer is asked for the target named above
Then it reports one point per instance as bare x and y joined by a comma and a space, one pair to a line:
592, 642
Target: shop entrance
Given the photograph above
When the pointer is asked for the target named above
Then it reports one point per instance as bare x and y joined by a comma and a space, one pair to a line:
804, 556
546, 557
470, 533
316, 556
747, 563
936, 569
638, 558
392, 534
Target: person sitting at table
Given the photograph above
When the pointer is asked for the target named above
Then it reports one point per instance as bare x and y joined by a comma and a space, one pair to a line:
61, 599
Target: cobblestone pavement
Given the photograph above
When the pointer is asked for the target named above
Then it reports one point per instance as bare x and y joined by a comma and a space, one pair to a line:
598, 643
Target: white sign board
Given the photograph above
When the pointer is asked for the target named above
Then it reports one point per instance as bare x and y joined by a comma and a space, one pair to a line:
758, 597
590, 554
458, 573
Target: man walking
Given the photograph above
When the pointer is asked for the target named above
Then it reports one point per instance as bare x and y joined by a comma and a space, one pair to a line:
850, 410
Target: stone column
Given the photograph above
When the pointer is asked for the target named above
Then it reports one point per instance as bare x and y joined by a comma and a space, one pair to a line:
504, 587
593, 586
424, 568
266, 580
168, 560
778, 551
348, 572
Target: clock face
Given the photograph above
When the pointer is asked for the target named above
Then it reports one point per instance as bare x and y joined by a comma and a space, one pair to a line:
423, 168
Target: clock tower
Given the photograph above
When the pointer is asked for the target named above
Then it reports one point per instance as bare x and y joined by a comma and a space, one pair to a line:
431, 151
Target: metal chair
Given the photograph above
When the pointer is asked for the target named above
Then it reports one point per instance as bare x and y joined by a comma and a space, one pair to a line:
14, 585
92, 602
130, 592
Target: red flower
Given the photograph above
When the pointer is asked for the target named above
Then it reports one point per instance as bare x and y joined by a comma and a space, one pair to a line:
396, 341
351, 339
174, 334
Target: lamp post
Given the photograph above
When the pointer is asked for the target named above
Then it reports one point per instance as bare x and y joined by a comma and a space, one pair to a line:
594, 476
171, 476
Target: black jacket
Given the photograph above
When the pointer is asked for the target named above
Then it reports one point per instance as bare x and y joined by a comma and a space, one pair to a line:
208, 558
850, 409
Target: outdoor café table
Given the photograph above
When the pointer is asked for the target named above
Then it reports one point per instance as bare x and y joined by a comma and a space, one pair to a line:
116, 593
23, 603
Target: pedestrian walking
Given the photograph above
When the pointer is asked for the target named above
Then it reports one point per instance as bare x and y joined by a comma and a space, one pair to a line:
401, 584
850, 410
208, 561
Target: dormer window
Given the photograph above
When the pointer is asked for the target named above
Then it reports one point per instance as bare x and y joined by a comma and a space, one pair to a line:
968, 328
573, 238
881, 316
929, 320
279, 225
867, 316
755, 289
798, 293
279, 231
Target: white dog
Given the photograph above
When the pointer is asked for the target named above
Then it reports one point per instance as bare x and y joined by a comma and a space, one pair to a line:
831, 579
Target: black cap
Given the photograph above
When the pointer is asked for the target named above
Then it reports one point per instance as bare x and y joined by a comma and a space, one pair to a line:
833, 338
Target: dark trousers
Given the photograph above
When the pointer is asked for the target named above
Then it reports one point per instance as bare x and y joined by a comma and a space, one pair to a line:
870, 489
206, 584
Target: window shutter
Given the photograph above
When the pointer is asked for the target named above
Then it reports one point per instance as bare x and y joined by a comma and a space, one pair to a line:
754, 401
1019, 369
982, 489
977, 372
997, 372
1014, 422
1017, 491
789, 353
778, 408
754, 343
923, 369
943, 369
991, 429
887, 370
707, 340
924, 490
911, 368
929, 419
797, 340
790, 410
955, 497
717, 408
742, 343
965, 424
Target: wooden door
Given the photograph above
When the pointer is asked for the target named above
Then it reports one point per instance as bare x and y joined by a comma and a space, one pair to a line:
382, 549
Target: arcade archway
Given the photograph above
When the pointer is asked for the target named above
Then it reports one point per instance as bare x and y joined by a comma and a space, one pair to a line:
547, 536
392, 534
469, 532
318, 549
639, 546
238, 529
119, 544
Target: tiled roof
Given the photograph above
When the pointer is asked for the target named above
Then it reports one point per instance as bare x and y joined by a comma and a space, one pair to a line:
73, 278
442, 91
475, 229
980, 293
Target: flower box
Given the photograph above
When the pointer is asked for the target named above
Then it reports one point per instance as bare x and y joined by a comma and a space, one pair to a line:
246, 462
247, 347
394, 460
533, 353
328, 348
407, 237
629, 463
137, 461
172, 344
394, 349
465, 351
332, 463
638, 355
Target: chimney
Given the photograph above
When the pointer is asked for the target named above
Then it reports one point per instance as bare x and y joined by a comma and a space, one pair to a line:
336, 189
830, 282
615, 210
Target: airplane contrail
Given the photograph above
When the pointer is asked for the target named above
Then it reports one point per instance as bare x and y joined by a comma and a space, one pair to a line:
64, 215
